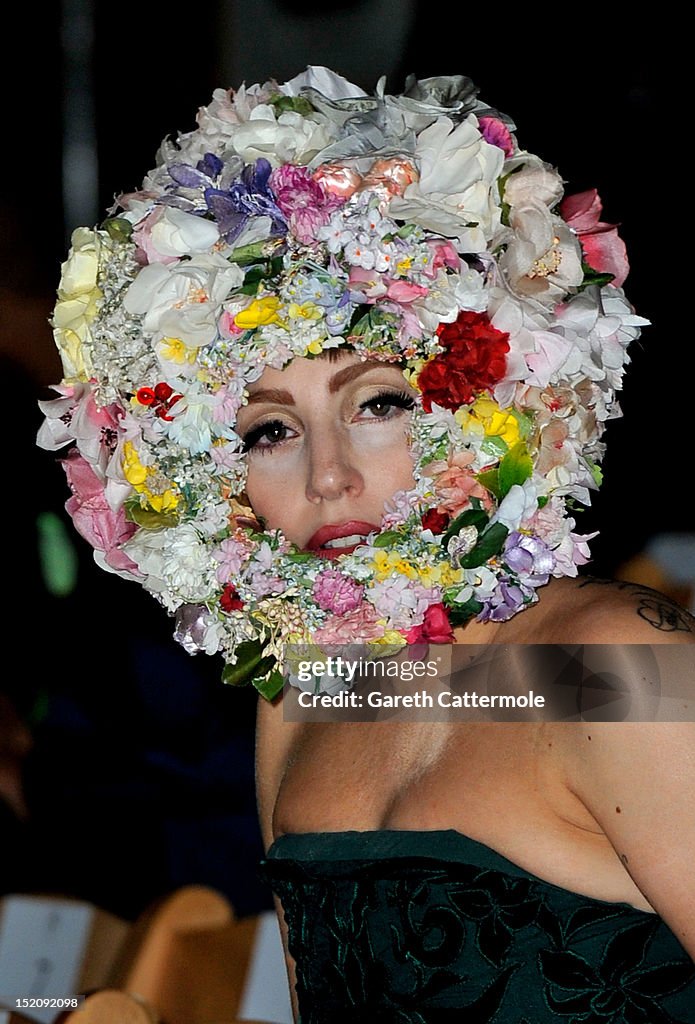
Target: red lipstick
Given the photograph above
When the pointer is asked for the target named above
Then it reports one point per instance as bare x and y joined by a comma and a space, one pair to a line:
325, 542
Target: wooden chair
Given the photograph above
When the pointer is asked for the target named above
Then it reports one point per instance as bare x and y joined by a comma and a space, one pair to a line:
8, 1016
187, 958
111, 1007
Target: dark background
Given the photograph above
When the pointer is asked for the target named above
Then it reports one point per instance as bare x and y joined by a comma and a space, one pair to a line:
139, 771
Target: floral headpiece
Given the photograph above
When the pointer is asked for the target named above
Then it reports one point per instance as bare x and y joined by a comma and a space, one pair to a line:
306, 216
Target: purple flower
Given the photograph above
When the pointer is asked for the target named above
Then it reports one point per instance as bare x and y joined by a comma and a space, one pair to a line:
506, 601
337, 593
230, 205
529, 558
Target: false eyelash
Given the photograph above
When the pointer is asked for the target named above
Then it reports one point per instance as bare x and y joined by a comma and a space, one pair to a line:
398, 398
256, 433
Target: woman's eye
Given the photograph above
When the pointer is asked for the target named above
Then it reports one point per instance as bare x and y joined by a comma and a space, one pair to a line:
387, 404
266, 435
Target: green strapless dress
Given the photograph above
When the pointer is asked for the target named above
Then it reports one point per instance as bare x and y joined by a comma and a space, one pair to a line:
401, 927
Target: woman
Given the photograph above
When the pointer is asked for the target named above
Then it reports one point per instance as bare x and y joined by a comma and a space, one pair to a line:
336, 374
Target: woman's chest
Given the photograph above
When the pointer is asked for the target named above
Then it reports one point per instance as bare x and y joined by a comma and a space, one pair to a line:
504, 785
420, 775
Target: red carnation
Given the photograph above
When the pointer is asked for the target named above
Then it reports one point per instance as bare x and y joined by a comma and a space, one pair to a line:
230, 600
435, 629
475, 360
435, 521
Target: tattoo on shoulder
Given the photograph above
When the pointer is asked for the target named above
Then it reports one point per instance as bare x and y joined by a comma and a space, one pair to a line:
657, 609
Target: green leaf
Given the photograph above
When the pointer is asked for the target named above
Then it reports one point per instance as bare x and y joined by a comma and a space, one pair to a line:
490, 543
524, 421
118, 228
257, 252
386, 539
595, 277
490, 478
471, 517
250, 663
596, 472
298, 104
460, 614
496, 446
543, 500
299, 557
271, 685
259, 273
515, 467
148, 518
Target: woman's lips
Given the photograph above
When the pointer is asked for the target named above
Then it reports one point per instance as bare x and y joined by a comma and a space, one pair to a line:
336, 539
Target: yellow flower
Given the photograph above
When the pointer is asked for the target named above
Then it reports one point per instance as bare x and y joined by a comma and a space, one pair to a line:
142, 478
443, 575
496, 422
387, 562
175, 351
305, 311
314, 347
133, 470
78, 302
259, 313
391, 638
412, 372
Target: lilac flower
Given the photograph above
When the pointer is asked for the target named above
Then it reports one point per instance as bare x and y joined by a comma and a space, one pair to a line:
529, 558
402, 601
232, 553
506, 601
249, 196
327, 292
263, 580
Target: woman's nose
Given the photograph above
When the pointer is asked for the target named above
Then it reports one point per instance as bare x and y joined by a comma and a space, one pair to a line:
332, 471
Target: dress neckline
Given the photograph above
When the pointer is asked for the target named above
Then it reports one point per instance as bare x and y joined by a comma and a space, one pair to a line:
435, 845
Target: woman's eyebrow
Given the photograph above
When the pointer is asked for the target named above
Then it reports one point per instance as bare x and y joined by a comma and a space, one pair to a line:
275, 395
349, 373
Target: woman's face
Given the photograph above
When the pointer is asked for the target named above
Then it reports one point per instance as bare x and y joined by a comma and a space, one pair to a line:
327, 444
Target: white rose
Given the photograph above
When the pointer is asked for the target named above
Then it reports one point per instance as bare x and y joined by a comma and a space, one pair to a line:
456, 193
182, 300
535, 180
543, 258
175, 233
448, 295
78, 302
289, 138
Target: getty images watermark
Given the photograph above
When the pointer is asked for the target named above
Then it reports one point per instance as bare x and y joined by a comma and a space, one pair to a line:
502, 682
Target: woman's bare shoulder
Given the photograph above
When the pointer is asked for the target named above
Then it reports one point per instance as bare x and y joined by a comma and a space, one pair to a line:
589, 610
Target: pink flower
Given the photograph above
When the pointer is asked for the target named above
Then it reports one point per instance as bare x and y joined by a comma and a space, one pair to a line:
455, 484
357, 626
435, 629
227, 327
375, 286
303, 200
232, 553
103, 528
56, 430
444, 255
337, 593
603, 248
497, 134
